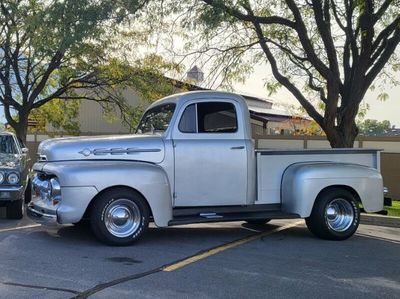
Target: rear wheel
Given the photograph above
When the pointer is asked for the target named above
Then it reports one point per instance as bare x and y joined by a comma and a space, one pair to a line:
119, 217
258, 221
335, 215
15, 209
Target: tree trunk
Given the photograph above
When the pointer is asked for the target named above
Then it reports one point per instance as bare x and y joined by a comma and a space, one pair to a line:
343, 136
21, 127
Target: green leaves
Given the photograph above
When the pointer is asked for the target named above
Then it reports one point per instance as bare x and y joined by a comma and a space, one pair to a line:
57, 115
373, 127
55, 53
383, 96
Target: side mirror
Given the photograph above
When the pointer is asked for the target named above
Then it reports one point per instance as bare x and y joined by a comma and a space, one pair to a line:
24, 150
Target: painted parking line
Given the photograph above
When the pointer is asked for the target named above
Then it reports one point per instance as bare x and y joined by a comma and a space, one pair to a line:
181, 263
18, 228
216, 250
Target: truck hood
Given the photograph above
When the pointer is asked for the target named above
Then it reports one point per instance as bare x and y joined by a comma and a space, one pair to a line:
147, 148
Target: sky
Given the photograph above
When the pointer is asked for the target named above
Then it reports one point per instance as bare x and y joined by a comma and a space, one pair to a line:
387, 110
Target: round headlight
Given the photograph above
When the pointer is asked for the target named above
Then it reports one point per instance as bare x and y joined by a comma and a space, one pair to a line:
1, 177
13, 178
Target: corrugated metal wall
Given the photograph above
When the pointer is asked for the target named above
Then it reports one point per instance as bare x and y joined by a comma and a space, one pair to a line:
91, 116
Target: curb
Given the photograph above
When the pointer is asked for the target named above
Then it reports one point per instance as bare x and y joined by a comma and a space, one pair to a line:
373, 219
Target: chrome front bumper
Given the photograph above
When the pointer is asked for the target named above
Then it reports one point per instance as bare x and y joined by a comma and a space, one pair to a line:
41, 208
46, 210
41, 217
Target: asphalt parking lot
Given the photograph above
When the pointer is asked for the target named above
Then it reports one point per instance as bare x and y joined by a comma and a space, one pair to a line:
278, 260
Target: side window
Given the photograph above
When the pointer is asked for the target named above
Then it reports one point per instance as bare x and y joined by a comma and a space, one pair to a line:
216, 117
156, 120
187, 124
7, 145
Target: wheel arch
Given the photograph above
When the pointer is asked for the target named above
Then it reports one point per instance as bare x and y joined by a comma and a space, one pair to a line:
131, 189
343, 187
302, 183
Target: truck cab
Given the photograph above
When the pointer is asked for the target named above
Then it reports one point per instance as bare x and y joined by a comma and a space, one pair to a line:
207, 136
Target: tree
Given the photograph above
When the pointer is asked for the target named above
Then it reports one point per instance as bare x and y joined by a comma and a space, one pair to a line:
327, 53
60, 50
372, 127
57, 114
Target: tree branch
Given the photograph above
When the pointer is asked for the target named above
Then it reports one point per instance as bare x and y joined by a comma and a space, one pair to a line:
54, 63
391, 46
305, 40
250, 18
322, 19
381, 11
285, 81
382, 38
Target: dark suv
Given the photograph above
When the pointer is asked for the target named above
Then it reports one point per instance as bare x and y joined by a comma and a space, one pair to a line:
15, 187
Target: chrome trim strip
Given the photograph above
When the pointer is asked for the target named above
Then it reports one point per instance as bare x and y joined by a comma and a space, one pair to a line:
118, 151
143, 150
268, 152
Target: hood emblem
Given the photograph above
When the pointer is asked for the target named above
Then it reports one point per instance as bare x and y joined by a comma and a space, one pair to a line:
86, 152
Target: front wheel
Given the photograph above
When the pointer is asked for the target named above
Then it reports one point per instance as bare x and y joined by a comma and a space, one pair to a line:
335, 215
119, 217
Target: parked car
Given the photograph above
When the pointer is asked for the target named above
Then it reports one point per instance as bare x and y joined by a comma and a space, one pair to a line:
193, 160
15, 187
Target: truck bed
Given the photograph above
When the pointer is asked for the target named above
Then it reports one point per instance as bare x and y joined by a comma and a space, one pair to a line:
272, 163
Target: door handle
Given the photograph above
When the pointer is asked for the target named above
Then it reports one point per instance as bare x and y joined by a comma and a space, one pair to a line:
237, 147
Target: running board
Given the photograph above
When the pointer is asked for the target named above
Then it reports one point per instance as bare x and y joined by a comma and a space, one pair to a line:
224, 217
186, 211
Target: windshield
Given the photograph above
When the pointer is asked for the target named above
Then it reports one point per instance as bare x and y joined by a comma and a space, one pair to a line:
7, 145
156, 120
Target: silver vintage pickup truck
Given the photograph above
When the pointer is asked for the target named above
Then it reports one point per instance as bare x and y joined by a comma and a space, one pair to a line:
193, 160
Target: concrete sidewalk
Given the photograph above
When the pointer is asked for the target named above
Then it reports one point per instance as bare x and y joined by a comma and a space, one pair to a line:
380, 220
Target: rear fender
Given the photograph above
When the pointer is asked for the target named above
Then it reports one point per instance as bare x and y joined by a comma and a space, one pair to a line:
302, 183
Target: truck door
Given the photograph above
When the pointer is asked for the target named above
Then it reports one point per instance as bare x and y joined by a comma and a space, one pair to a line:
210, 155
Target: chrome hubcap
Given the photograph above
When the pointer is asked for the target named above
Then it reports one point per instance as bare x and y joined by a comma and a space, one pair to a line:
122, 218
339, 214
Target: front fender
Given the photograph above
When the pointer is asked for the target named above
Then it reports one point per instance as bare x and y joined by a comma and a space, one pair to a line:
148, 179
302, 182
